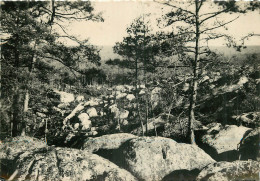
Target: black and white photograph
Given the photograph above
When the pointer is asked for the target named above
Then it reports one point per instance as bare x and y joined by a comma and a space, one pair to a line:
130, 90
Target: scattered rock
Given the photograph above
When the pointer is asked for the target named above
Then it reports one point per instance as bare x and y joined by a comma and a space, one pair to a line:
122, 114
85, 122
92, 103
152, 158
80, 98
64, 96
76, 110
120, 95
92, 112
242, 80
142, 92
141, 86
155, 96
130, 97
227, 171
124, 122
83, 117
76, 126
63, 105
121, 88
113, 108
129, 88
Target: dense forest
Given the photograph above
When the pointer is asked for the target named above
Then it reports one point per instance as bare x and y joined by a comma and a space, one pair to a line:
167, 107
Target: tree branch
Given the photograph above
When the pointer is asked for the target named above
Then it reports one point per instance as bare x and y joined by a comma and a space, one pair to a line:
171, 5
214, 15
221, 25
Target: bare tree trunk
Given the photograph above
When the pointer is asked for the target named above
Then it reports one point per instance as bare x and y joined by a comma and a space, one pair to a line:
194, 83
146, 114
146, 103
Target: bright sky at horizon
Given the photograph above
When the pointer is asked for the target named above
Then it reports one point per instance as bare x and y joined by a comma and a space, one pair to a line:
118, 15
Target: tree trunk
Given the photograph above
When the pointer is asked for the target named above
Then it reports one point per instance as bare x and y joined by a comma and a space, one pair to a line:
194, 83
136, 96
16, 116
16, 97
25, 110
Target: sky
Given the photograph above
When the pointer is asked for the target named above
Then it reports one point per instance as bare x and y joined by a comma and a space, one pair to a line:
119, 14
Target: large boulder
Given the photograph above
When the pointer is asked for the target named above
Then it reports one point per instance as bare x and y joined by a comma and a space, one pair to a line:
67, 164
106, 142
249, 145
221, 142
153, 158
230, 171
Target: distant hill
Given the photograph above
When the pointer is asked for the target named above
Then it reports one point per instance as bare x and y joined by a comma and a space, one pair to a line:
107, 51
